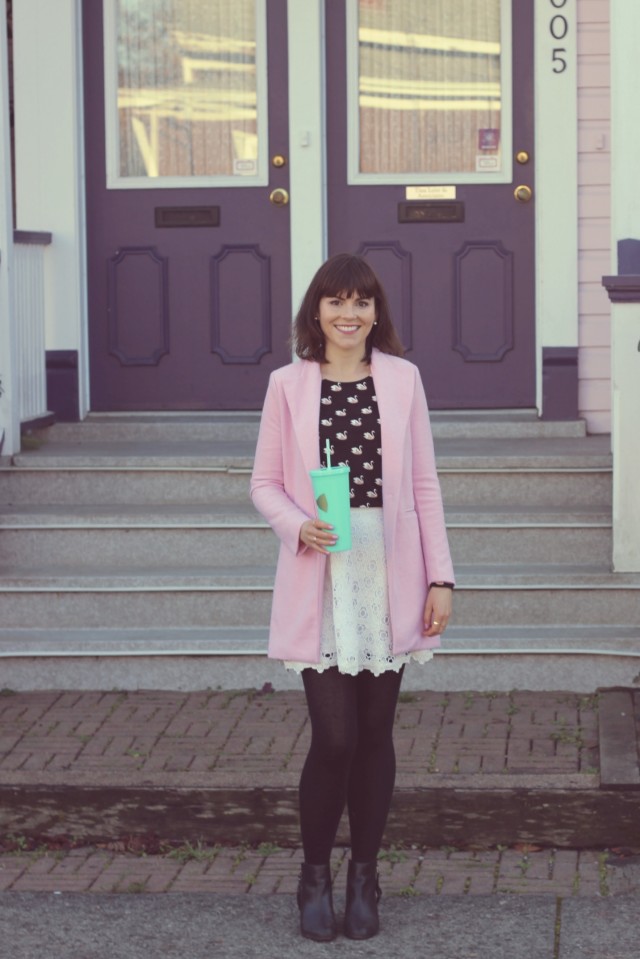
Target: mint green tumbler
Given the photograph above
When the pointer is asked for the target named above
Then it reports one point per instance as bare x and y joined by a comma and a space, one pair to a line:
331, 491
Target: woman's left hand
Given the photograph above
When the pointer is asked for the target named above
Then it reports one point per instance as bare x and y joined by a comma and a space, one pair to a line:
437, 610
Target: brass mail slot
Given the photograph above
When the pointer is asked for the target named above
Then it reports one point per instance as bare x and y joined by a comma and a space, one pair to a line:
167, 216
431, 211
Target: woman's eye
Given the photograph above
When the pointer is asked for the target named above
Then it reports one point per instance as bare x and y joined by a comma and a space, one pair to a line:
363, 304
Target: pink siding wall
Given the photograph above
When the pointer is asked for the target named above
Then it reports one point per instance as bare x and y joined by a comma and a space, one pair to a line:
594, 212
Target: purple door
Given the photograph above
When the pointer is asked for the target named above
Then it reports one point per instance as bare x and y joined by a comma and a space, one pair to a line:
187, 179
430, 135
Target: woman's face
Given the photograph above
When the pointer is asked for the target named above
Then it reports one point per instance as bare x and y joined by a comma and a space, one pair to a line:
346, 322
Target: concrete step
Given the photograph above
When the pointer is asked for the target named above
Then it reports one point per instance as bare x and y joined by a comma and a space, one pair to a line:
235, 534
543, 472
112, 484
451, 453
485, 657
244, 425
140, 454
127, 596
248, 641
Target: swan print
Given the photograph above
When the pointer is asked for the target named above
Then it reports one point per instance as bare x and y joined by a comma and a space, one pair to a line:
360, 442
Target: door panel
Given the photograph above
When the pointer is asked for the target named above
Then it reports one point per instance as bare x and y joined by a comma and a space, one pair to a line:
188, 260
431, 102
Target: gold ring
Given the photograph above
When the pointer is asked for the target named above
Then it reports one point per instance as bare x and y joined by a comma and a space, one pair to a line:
436, 623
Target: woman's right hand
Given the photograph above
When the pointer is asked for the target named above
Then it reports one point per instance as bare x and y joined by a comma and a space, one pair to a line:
315, 534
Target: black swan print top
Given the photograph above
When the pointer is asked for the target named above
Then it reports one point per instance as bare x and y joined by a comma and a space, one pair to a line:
350, 420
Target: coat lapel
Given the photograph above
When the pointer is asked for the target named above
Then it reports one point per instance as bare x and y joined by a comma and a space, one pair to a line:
303, 398
394, 400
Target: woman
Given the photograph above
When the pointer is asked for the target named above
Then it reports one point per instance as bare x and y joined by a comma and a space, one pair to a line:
349, 621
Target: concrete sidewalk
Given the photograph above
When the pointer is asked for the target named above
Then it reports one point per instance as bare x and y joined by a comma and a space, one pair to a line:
202, 927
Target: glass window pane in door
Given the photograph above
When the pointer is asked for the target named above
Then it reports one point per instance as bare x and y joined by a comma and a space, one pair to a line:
429, 86
186, 88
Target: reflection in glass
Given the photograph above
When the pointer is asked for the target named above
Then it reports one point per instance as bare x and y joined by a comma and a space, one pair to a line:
429, 86
187, 102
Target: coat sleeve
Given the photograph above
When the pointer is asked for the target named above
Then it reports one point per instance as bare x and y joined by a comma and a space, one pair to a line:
268, 490
426, 490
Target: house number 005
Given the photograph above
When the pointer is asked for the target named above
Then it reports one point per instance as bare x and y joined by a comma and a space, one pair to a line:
558, 28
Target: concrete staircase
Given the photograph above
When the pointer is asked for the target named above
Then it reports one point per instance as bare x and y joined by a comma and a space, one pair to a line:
131, 557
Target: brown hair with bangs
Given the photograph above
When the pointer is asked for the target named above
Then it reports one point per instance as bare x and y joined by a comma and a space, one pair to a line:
344, 275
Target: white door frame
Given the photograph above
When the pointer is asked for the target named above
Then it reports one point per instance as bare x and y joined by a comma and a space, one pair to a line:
556, 176
307, 143
9, 405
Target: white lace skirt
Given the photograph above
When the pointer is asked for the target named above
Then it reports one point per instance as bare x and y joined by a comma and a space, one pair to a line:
355, 614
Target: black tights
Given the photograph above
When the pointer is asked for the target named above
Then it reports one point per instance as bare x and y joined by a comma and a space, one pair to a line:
351, 759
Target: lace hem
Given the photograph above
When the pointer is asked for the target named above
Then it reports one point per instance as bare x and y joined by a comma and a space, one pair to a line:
356, 632
394, 663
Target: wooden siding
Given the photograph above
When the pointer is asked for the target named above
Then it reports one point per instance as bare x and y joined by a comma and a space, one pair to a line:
594, 214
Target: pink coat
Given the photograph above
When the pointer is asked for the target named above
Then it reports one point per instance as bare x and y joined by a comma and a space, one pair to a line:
414, 531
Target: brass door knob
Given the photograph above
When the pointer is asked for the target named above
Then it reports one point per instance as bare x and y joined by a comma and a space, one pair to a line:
279, 161
523, 193
522, 156
279, 197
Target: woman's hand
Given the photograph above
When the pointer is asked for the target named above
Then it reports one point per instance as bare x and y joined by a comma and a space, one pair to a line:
437, 610
315, 534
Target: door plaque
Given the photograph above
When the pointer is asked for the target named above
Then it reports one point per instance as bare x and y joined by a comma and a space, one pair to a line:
431, 211
168, 216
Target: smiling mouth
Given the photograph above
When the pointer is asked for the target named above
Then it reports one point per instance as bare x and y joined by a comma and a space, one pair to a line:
348, 329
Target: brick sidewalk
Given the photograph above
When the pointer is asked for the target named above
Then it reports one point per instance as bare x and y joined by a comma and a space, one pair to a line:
248, 736
269, 870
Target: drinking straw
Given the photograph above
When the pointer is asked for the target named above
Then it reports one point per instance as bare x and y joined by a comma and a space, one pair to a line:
327, 450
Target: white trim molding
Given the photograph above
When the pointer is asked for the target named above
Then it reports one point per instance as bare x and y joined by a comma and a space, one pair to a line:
556, 166
49, 150
9, 401
625, 311
307, 143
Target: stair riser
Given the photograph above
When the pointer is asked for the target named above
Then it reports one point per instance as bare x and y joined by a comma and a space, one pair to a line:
123, 487
531, 545
554, 489
245, 427
105, 547
153, 432
139, 548
161, 609
133, 487
182, 609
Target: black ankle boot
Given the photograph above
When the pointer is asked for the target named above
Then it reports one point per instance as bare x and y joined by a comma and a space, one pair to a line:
315, 902
363, 892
